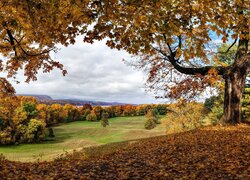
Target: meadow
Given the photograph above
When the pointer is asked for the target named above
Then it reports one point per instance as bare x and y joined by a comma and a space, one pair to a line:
81, 134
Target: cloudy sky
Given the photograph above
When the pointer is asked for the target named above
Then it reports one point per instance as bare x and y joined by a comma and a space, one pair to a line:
95, 72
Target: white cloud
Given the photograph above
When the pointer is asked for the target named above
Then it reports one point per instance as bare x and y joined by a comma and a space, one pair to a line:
95, 72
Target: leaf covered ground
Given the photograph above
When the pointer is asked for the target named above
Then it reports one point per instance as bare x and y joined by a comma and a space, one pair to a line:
207, 153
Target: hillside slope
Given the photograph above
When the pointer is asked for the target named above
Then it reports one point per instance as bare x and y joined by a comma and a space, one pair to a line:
207, 153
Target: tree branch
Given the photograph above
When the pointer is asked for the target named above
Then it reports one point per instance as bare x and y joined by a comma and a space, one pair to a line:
27, 53
193, 71
11, 41
231, 45
187, 70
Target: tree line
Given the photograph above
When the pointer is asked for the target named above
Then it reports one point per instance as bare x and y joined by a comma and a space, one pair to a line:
24, 120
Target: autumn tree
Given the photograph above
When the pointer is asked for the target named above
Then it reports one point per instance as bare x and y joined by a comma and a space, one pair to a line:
118, 111
97, 110
174, 40
129, 110
84, 111
30, 30
151, 120
70, 113
92, 116
43, 112
110, 110
105, 121
142, 109
18, 121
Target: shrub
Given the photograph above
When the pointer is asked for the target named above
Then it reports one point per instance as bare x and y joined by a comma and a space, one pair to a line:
183, 117
104, 120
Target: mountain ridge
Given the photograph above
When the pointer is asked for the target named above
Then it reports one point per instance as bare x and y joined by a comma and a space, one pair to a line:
46, 99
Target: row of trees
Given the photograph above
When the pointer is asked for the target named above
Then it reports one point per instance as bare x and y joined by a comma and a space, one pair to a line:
24, 120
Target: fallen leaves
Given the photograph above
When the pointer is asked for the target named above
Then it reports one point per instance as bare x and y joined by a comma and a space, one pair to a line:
207, 153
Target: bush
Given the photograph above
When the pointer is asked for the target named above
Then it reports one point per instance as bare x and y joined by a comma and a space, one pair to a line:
183, 117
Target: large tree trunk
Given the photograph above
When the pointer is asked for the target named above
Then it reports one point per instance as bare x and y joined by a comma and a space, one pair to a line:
234, 84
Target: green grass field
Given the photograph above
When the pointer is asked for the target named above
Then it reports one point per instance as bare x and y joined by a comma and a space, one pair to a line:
81, 134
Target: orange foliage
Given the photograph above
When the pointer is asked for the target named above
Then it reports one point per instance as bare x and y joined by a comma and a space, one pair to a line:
208, 153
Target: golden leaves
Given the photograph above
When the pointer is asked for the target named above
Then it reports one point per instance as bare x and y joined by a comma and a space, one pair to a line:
34, 28
210, 152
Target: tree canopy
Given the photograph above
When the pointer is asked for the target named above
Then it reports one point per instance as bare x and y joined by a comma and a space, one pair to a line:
31, 29
176, 38
169, 37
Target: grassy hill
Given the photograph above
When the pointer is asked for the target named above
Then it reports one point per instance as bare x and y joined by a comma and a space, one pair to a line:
80, 134
207, 153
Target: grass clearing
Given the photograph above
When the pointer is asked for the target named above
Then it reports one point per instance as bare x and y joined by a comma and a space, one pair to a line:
81, 134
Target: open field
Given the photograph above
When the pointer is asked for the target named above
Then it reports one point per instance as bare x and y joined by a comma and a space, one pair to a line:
80, 134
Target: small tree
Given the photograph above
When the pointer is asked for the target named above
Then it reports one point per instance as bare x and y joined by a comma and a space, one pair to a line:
151, 120
35, 131
152, 113
105, 120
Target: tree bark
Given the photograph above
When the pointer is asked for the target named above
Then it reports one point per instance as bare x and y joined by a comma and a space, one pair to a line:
234, 84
